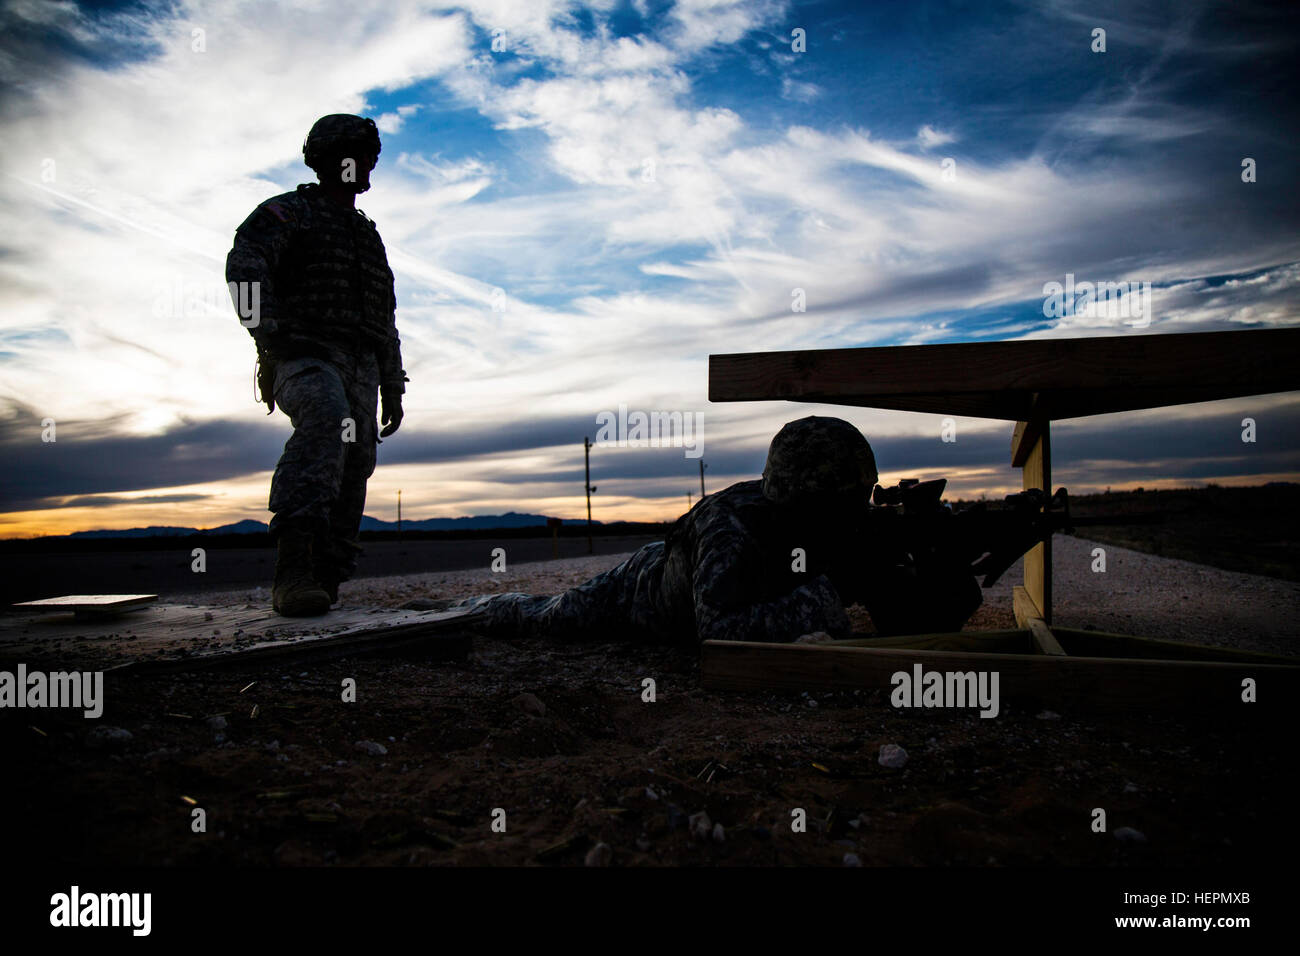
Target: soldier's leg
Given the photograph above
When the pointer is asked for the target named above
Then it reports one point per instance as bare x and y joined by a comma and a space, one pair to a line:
310, 471
615, 605
306, 480
339, 546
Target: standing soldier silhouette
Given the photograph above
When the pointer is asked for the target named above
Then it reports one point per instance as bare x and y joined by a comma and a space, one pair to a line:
326, 335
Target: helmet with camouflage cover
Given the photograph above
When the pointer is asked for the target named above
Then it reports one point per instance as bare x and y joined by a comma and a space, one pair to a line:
818, 458
339, 134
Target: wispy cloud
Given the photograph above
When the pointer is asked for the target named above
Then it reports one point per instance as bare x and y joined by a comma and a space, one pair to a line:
578, 217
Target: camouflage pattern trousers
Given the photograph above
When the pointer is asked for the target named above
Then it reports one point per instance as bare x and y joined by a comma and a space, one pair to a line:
627, 602
320, 481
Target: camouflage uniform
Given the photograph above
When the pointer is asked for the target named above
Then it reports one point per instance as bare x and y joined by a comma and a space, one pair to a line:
726, 570
723, 572
327, 320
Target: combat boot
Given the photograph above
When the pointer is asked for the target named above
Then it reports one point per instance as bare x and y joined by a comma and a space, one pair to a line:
332, 562
295, 592
331, 589
327, 577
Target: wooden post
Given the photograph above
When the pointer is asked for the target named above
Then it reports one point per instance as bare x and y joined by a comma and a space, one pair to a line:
701, 479
1031, 451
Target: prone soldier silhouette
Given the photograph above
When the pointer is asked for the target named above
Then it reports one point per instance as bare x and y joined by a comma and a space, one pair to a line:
731, 567
327, 341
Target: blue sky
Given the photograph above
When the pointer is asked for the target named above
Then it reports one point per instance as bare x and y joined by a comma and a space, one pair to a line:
645, 184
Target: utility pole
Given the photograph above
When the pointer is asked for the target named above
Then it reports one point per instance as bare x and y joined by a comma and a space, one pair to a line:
702, 467
399, 511
586, 454
688, 501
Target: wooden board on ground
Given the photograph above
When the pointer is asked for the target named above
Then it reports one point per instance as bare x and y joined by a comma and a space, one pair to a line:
190, 637
91, 605
1213, 683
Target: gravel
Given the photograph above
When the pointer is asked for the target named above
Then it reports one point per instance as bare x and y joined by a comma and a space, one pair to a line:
600, 855
1130, 835
892, 755
1138, 593
536, 577
107, 737
1151, 596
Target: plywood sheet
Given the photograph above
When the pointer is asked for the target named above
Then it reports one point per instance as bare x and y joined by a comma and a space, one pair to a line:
195, 635
85, 604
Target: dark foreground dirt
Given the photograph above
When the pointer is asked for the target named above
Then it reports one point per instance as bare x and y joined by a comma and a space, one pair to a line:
283, 781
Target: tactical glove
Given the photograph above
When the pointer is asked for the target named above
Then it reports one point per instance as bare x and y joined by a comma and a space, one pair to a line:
390, 411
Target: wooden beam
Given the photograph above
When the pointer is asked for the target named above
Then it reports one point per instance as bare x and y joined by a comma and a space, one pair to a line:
1037, 473
1075, 642
1023, 439
1044, 641
1009, 641
1075, 377
1106, 644
1024, 607
1088, 682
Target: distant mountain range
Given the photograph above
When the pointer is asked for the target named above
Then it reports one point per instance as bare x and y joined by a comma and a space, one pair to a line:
511, 519
167, 531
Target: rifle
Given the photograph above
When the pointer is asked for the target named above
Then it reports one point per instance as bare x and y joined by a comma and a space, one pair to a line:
910, 524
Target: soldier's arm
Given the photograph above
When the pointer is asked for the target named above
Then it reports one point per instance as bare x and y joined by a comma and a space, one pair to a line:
729, 606
260, 242
392, 377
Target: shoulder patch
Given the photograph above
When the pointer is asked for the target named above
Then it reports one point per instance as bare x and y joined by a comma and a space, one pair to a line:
279, 211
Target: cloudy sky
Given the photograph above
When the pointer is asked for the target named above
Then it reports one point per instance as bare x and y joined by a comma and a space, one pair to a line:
583, 201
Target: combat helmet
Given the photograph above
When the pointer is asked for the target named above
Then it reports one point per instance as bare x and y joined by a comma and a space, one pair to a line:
339, 134
818, 457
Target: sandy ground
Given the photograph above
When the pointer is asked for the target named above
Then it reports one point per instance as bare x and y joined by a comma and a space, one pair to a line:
1137, 593
560, 740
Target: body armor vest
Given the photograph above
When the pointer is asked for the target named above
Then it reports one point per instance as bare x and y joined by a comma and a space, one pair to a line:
333, 282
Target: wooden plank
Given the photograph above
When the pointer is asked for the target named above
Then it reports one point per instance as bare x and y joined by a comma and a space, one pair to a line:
1044, 641
1106, 644
1024, 607
1089, 682
86, 605
1038, 559
1074, 642
438, 641
192, 634
1011, 641
1023, 438
69, 602
1076, 377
